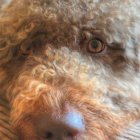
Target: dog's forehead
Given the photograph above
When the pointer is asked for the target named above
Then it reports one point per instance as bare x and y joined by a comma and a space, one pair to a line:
118, 20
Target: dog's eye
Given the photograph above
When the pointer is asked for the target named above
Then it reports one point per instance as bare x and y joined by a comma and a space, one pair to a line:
96, 46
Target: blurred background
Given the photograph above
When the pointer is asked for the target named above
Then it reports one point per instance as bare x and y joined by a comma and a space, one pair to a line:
3, 2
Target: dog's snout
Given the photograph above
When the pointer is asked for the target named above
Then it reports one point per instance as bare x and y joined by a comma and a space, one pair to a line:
67, 127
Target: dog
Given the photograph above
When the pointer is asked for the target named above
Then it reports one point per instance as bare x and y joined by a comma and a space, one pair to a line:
70, 69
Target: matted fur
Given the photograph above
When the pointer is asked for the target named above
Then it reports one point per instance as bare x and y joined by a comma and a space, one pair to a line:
45, 66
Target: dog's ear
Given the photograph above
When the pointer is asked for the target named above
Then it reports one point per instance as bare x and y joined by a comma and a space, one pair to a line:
20, 31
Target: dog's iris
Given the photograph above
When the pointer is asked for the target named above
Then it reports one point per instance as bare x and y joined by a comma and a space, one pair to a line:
96, 46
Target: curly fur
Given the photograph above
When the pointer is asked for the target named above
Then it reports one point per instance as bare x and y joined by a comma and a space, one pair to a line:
44, 64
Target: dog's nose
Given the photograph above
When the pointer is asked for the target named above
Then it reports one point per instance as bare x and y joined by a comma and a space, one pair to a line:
67, 127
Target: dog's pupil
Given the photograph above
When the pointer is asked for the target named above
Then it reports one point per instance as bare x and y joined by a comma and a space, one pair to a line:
95, 44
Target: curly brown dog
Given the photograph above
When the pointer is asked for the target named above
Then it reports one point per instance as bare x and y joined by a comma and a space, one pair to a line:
71, 68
